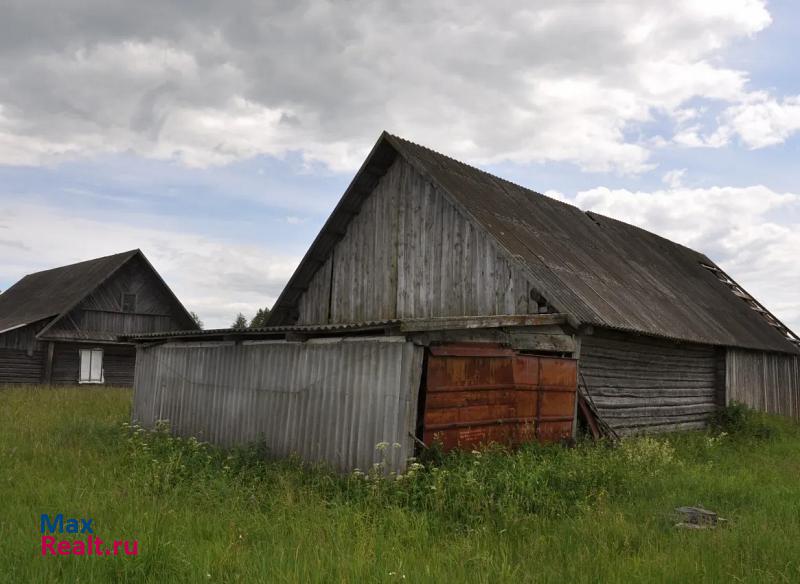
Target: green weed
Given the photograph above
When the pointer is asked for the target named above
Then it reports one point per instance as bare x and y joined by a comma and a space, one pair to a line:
592, 513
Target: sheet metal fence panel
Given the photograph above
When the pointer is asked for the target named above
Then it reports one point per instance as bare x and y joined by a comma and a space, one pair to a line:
328, 400
476, 394
769, 382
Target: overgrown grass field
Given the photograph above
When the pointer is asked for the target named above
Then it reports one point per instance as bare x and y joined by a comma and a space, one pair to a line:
543, 514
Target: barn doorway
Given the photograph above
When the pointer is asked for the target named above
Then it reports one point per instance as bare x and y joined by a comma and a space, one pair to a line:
476, 393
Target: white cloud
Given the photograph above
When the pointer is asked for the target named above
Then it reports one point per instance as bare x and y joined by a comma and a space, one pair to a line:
523, 81
734, 226
215, 278
694, 138
762, 121
674, 178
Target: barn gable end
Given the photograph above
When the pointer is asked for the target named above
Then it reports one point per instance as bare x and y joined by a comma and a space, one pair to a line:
100, 315
411, 253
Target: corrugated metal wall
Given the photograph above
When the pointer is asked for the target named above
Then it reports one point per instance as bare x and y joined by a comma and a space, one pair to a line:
327, 400
642, 384
769, 382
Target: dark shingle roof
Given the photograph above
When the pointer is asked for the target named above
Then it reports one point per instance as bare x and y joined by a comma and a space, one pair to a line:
597, 270
51, 292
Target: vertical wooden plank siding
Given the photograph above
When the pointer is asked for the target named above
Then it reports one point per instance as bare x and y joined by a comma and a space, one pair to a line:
23, 338
409, 253
101, 311
329, 400
768, 382
643, 385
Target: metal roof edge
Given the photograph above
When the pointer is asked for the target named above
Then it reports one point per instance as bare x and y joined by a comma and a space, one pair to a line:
790, 349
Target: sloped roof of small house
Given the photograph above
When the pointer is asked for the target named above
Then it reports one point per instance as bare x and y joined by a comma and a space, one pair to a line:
52, 293
597, 270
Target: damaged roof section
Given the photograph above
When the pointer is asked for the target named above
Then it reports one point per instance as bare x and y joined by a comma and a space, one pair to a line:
593, 269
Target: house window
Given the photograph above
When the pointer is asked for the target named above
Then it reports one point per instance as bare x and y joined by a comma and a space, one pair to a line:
91, 366
129, 303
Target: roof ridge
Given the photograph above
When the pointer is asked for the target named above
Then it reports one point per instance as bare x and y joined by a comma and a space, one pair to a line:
482, 171
92, 260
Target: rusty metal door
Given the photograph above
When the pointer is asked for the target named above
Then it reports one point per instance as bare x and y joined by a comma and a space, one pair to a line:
481, 393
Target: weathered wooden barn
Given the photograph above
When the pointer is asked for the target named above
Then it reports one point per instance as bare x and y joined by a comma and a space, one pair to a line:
439, 301
61, 326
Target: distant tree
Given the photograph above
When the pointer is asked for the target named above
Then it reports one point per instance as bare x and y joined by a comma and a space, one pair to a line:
260, 319
240, 323
196, 319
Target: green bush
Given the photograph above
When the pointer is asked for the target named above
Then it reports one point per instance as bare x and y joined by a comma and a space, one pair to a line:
739, 420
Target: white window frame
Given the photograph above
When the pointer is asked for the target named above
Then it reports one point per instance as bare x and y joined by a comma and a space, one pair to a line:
93, 355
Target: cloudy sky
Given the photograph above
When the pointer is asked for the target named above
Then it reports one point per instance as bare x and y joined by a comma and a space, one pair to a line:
217, 136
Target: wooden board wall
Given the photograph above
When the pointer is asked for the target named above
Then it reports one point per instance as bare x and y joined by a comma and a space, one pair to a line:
23, 338
119, 363
102, 312
410, 253
21, 366
22, 357
768, 382
642, 384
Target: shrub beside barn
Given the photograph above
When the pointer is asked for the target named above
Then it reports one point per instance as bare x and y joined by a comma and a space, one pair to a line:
441, 302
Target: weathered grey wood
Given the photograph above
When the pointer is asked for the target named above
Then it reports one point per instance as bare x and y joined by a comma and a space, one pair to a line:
47, 378
644, 385
769, 382
477, 322
16, 366
669, 426
22, 338
701, 394
410, 253
543, 342
514, 337
633, 408
101, 310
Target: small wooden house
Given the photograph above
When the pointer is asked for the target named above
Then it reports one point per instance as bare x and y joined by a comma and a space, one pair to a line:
61, 326
441, 300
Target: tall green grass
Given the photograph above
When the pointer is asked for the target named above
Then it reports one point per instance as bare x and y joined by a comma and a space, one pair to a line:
544, 513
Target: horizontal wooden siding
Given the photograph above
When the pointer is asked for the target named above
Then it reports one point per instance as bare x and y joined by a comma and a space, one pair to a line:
20, 366
643, 385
